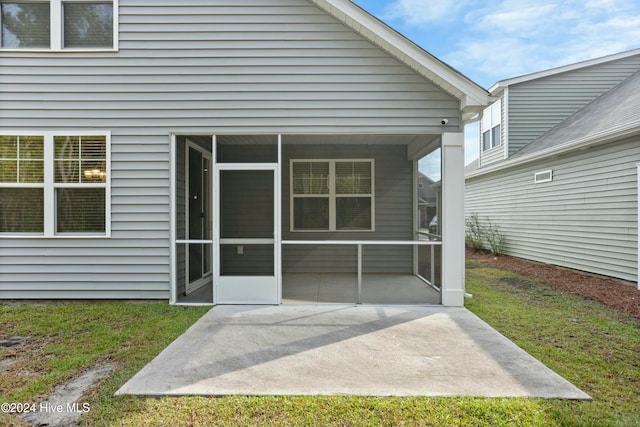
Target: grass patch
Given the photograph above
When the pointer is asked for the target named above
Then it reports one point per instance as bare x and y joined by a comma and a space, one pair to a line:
596, 348
65, 339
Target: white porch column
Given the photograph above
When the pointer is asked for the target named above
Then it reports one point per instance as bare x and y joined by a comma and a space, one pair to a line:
452, 219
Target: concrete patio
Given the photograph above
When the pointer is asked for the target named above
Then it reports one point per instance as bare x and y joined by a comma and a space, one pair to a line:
340, 349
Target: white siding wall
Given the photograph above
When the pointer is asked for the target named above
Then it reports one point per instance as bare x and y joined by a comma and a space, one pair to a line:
536, 106
586, 218
241, 66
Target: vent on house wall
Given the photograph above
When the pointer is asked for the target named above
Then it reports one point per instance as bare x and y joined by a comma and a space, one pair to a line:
543, 176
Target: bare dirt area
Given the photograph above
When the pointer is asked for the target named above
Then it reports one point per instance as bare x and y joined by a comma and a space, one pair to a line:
611, 292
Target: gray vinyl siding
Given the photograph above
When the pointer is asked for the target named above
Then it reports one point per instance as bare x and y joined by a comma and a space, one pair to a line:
393, 215
538, 105
252, 66
491, 156
586, 218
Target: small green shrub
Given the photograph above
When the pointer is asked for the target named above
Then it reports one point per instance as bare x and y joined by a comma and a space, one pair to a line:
477, 234
495, 238
474, 232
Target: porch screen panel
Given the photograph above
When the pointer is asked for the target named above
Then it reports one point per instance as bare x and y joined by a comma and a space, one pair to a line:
246, 204
247, 260
247, 223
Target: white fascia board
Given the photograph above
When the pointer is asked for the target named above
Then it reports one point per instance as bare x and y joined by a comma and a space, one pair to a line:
626, 131
562, 69
376, 31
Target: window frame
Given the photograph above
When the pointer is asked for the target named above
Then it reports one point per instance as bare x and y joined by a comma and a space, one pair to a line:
543, 176
49, 186
493, 134
56, 36
491, 119
332, 196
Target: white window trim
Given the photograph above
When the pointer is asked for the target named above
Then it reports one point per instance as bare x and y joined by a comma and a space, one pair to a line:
491, 118
332, 196
49, 186
537, 176
57, 31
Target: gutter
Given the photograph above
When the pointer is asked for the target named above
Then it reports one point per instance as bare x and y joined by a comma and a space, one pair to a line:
614, 133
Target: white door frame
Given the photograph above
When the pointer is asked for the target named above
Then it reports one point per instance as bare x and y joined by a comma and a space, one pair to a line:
246, 289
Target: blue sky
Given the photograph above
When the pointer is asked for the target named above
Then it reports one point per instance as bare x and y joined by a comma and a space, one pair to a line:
488, 41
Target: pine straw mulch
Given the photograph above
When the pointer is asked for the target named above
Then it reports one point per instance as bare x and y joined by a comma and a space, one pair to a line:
615, 293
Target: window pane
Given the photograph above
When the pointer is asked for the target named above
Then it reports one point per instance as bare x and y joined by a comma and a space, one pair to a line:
88, 24
353, 213
67, 171
25, 25
353, 178
80, 210
8, 147
67, 147
93, 147
310, 178
311, 213
21, 159
495, 136
94, 171
486, 141
80, 159
8, 171
31, 171
21, 210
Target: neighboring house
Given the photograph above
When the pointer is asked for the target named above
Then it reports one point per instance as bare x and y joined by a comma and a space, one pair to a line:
162, 150
428, 200
563, 185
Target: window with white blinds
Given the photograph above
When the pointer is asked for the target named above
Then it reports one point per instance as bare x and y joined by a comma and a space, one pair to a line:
54, 185
88, 25
58, 24
332, 195
80, 174
25, 25
21, 184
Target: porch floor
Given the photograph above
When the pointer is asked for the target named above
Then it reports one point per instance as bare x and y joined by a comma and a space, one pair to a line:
342, 288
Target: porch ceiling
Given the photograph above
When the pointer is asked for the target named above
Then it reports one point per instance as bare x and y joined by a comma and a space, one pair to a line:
368, 139
418, 145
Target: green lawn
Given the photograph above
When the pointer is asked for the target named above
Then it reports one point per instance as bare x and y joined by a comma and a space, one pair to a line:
596, 348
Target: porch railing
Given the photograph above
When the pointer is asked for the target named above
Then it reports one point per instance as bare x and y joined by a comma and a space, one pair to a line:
360, 243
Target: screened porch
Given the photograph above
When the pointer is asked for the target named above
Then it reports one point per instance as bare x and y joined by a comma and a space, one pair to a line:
269, 219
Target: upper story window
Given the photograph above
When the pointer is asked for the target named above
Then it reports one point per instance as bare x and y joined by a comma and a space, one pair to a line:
491, 129
58, 24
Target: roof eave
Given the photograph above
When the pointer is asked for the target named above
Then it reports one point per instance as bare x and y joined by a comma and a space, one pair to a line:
625, 131
500, 85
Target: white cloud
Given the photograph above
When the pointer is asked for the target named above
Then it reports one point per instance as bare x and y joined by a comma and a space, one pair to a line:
499, 40
417, 12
